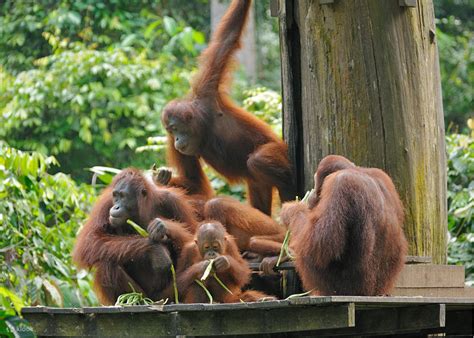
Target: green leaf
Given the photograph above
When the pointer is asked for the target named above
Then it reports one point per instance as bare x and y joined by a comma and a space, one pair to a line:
170, 25
142, 232
187, 39
207, 271
54, 292
15, 300
74, 18
199, 37
151, 28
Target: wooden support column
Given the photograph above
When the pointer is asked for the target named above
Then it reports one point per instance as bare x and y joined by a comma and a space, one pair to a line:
361, 79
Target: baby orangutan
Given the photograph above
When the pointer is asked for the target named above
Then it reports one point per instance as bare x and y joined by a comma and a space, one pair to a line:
213, 243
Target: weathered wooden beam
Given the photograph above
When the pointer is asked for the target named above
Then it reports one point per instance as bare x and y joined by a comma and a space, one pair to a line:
192, 319
459, 322
252, 322
371, 301
418, 260
431, 275
275, 8
413, 260
332, 315
435, 292
407, 3
399, 320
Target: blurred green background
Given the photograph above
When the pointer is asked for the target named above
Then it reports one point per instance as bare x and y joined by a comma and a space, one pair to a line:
82, 84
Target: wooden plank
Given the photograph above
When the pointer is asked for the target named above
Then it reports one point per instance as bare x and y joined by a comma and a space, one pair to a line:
431, 275
282, 266
111, 324
237, 320
459, 322
407, 3
381, 301
274, 8
435, 292
305, 315
399, 320
291, 265
252, 322
418, 260
156, 308
308, 300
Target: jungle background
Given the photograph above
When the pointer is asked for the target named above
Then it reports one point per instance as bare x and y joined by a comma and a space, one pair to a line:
82, 85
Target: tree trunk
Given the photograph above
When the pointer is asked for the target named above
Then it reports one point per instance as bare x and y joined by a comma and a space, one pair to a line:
247, 55
361, 79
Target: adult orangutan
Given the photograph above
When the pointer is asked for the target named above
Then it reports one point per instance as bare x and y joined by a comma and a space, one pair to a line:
123, 259
208, 125
348, 239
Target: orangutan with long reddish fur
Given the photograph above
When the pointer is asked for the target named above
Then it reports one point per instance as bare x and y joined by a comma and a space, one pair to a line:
210, 126
348, 239
123, 260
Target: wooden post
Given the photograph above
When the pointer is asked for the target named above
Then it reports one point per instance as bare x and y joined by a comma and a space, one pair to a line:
361, 79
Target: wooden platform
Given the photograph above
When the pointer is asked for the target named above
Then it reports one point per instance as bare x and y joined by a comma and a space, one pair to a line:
300, 317
418, 278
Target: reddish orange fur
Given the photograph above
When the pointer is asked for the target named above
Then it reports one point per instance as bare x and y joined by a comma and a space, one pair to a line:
98, 246
243, 222
231, 140
350, 241
190, 268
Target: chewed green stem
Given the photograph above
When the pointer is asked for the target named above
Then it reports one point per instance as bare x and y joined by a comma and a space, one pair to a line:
137, 228
208, 270
306, 196
175, 287
218, 280
284, 247
205, 290
297, 295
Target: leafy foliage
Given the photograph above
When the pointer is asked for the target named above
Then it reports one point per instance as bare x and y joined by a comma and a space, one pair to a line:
461, 201
39, 217
266, 105
457, 74
90, 107
31, 30
268, 42
455, 35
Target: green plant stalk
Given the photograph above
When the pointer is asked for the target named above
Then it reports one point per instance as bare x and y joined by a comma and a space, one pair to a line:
205, 290
208, 270
306, 196
133, 298
297, 295
175, 287
221, 283
284, 247
137, 228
